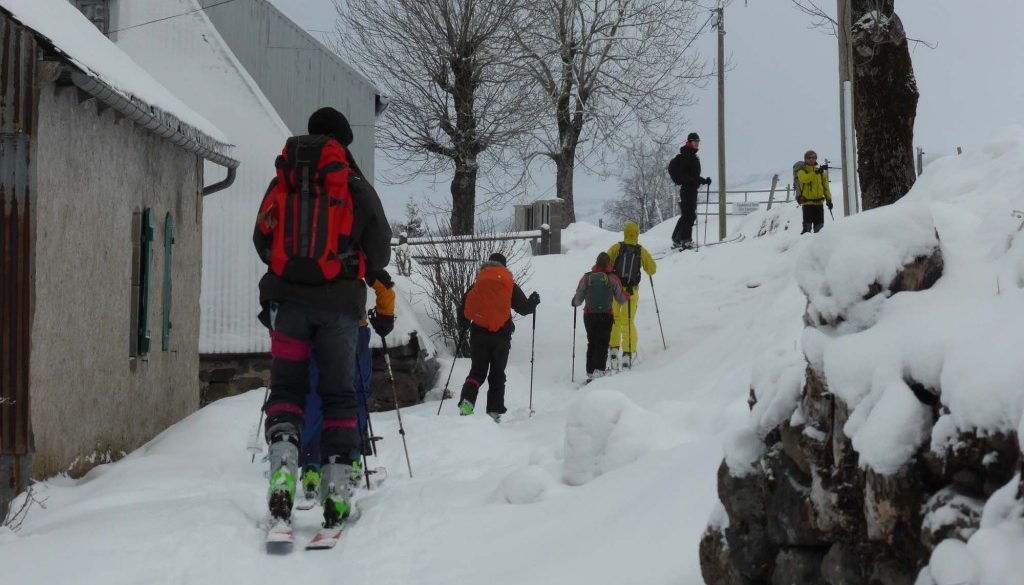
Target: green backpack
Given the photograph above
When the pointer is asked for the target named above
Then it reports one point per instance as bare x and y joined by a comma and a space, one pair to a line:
598, 293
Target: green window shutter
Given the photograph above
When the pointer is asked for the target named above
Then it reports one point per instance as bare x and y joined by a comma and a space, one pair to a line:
148, 234
168, 246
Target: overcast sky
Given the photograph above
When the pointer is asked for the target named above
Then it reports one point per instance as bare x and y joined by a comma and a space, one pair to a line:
782, 90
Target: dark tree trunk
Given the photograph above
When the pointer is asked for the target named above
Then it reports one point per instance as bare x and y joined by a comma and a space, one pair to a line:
463, 198
564, 170
885, 103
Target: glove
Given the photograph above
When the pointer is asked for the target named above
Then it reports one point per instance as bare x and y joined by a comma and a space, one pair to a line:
829, 203
382, 324
823, 168
534, 299
707, 181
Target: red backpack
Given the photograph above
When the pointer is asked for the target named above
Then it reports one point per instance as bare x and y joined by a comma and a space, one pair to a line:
310, 212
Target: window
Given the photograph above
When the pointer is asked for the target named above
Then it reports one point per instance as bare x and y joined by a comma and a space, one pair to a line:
142, 253
168, 246
97, 11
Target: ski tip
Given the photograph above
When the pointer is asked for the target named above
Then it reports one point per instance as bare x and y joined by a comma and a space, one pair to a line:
282, 547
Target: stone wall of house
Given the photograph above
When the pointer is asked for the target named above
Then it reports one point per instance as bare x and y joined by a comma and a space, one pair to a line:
91, 400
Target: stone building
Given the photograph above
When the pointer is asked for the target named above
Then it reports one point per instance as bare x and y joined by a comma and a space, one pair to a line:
102, 183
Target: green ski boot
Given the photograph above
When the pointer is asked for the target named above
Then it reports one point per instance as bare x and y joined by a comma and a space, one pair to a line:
465, 408
311, 483
336, 492
284, 456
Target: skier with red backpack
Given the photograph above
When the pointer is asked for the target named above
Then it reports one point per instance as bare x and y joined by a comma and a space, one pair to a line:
599, 289
320, 229
628, 257
487, 311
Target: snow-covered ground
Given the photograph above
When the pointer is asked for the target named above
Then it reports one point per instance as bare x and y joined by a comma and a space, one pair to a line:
610, 483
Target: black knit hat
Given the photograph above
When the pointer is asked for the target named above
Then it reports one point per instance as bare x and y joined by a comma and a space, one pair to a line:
692, 136
498, 257
331, 122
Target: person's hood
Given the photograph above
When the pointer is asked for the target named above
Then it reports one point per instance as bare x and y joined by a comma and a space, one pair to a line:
631, 233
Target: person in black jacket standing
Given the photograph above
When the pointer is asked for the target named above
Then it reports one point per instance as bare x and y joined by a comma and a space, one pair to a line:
685, 172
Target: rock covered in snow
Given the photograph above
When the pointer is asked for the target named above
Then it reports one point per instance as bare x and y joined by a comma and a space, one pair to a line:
605, 431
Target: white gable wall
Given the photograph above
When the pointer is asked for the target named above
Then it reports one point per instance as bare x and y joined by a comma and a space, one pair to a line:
187, 55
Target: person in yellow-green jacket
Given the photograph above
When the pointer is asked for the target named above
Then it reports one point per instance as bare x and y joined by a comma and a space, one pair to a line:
812, 192
628, 257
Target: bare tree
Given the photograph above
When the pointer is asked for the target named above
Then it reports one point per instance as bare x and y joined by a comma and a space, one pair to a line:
648, 194
457, 99
447, 267
602, 65
884, 98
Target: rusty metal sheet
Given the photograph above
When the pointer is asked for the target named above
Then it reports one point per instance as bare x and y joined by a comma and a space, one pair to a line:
18, 101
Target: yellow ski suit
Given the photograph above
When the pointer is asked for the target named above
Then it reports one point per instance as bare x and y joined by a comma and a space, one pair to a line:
624, 329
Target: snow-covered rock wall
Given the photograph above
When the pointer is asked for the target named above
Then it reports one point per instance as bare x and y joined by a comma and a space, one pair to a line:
888, 449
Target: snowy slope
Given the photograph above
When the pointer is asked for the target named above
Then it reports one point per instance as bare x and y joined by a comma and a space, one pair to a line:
612, 489
610, 483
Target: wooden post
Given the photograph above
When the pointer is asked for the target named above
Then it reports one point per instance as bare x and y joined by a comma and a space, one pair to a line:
545, 239
920, 161
721, 120
771, 194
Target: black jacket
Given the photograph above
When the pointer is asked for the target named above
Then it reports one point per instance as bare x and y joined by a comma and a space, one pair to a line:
685, 169
371, 233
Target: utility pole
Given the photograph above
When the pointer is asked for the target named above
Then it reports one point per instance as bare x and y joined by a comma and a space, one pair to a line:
721, 119
847, 135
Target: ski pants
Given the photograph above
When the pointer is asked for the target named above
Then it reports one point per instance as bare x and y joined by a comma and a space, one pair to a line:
814, 217
310, 452
297, 333
489, 353
599, 331
687, 215
624, 328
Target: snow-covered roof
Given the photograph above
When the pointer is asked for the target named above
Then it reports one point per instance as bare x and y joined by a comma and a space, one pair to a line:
85, 47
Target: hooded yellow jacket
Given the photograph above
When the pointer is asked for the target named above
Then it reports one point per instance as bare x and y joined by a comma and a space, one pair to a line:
631, 235
813, 185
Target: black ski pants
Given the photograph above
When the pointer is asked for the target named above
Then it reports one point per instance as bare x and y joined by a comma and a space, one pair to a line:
489, 354
814, 218
296, 333
687, 215
599, 332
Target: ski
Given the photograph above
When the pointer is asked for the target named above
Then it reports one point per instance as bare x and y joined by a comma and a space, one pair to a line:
280, 538
307, 503
325, 538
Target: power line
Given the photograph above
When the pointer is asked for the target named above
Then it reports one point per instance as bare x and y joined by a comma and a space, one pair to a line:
170, 17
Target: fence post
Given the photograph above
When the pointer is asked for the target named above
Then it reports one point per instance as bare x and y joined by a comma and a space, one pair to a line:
920, 161
771, 194
787, 192
545, 239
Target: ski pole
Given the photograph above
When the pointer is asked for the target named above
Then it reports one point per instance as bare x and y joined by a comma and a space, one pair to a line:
394, 394
533, 338
447, 393
830, 213
629, 329
657, 312
707, 207
575, 311
362, 438
256, 440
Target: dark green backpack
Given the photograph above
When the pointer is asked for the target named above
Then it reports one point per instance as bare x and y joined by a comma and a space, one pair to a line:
598, 293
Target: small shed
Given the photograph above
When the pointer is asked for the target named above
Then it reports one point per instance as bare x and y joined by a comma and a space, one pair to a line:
101, 190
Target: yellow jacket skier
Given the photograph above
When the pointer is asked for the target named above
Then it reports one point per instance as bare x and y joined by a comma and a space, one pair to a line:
628, 257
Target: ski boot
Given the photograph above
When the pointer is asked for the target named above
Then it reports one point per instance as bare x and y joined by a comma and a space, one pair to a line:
336, 490
496, 416
688, 245
311, 482
284, 471
627, 360
613, 359
465, 408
